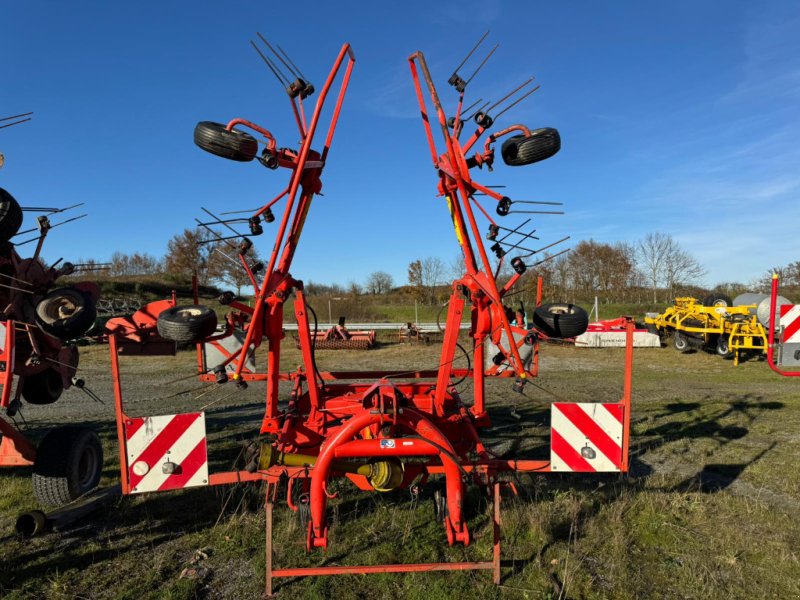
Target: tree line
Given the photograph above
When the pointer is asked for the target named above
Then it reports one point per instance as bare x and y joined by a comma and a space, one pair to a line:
653, 269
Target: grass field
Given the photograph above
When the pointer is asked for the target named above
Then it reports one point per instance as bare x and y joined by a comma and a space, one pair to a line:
709, 510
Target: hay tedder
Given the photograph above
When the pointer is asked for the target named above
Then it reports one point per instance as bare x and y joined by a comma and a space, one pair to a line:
386, 429
39, 324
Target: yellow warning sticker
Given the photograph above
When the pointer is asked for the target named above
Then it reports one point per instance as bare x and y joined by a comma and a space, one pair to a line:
451, 208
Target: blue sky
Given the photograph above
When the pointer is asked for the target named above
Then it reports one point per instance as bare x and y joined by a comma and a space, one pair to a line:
679, 117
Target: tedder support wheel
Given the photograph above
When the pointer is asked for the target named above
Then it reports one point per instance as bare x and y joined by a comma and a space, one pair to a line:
187, 324
680, 342
717, 300
69, 462
10, 216
560, 320
42, 388
724, 347
216, 139
66, 313
519, 150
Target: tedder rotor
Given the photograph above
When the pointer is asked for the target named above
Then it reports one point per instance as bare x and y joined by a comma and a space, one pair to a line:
383, 429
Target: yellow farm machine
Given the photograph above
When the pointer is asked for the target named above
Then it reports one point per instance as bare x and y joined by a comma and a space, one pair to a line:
713, 323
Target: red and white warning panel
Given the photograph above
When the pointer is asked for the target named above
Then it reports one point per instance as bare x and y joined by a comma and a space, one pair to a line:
790, 323
586, 437
166, 452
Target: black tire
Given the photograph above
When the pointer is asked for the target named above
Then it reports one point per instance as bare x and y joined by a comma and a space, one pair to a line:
69, 462
187, 324
560, 320
680, 342
724, 347
10, 216
66, 313
43, 388
519, 150
717, 300
216, 139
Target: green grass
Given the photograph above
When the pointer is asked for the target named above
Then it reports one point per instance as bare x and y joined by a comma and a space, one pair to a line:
709, 510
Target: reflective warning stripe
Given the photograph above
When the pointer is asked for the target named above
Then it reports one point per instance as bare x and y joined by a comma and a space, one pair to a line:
790, 322
586, 437
166, 452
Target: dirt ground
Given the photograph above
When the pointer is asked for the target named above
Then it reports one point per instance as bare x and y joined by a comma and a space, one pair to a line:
708, 511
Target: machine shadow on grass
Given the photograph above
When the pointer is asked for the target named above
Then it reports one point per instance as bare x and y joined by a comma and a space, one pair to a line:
712, 477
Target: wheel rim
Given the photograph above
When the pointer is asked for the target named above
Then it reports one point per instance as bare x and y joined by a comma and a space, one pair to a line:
60, 309
189, 313
87, 467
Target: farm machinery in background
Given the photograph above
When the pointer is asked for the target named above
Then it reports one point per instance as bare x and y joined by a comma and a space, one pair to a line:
38, 326
728, 327
387, 429
339, 337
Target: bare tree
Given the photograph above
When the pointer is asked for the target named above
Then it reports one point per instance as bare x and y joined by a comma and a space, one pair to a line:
651, 253
424, 275
379, 282
229, 269
680, 267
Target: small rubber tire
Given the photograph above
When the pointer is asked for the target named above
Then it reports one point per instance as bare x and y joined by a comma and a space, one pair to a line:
44, 387
519, 150
680, 342
187, 324
10, 216
717, 300
66, 313
69, 463
560, 320
218, 140
723, 347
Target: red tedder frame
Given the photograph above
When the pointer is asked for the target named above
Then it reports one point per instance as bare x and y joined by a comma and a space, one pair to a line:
771, 346
363, 425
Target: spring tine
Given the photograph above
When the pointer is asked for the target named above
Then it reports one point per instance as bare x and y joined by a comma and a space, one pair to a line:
219, 238
233, 260
471, 52
239, 212
480, 66
22, 280
473, 105
516, 229
280, 58
15, 116
509, 94
269, 64
33, 239
217, 219
50, 210
551, 257
481, 109
14, 123
538, 202
299, 73
543, 248
513, 104
536, 212
518, 247
11, 287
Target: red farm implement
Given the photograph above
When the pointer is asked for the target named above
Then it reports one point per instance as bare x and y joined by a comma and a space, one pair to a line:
785, 319
384, 429
39, 359
339, 337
